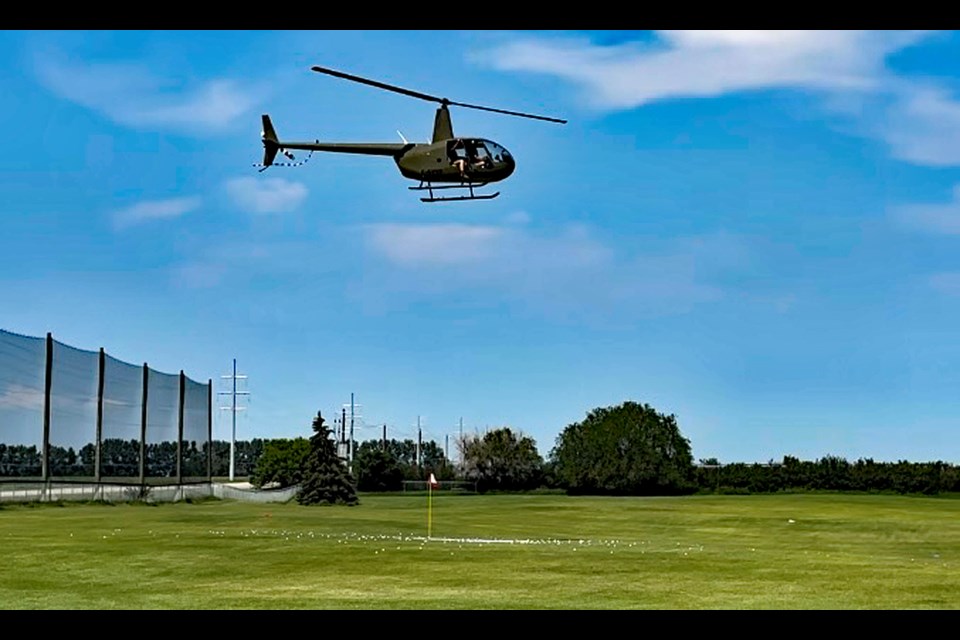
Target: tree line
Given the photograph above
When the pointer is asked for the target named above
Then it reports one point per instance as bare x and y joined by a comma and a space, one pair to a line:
120, 458
629, 449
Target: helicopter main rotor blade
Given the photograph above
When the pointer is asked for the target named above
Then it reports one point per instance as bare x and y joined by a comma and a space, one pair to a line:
380, 85
510, 113
426, 96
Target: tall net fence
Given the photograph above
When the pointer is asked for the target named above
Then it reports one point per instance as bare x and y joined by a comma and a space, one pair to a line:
22, 385
67, 414
73, 411
122, 419
162, 412
197, 453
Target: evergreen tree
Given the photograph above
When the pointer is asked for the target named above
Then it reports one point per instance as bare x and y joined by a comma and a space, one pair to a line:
326, 480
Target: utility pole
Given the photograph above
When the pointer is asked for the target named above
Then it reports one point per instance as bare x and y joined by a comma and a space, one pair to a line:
233, 408
460, 448
419, 444
343, 434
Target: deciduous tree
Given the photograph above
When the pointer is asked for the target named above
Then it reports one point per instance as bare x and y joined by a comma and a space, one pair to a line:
502, 460
630, 449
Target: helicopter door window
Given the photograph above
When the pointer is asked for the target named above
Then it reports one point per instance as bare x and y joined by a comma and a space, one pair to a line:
458, 156
457, 150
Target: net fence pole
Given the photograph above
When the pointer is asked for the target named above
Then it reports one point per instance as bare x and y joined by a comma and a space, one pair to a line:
97, 445
48, 385
183, 385
143, 425
209, 429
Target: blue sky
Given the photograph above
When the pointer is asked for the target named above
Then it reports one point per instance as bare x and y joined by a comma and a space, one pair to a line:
754, 231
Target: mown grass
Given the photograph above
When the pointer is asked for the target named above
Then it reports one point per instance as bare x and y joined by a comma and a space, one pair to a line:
815, 551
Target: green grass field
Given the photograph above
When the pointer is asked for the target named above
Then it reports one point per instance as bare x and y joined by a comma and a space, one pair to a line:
488, 552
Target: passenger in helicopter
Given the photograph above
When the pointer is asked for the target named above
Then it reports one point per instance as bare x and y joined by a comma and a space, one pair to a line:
458, 157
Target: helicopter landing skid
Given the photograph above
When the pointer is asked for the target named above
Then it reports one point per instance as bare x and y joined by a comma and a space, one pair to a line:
429, 187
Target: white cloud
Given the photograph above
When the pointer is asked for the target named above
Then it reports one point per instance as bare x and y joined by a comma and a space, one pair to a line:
129, 94
570, 271
706, 63
266, 195
434, 244
923, 125
936, 218
155, 210
920, 121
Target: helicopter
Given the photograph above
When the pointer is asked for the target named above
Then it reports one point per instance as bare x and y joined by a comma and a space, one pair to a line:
446, 162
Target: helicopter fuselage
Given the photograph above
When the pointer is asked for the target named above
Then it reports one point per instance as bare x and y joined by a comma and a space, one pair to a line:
456, 160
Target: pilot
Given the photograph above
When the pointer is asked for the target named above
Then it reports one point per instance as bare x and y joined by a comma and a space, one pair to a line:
482, 161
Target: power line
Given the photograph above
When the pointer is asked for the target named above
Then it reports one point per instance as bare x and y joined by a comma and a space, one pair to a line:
233, 408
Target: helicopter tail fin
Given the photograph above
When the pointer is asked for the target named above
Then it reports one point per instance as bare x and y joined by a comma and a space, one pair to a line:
271, 145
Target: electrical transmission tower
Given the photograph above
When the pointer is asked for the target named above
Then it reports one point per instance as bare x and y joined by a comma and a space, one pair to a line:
353, 416
233, 408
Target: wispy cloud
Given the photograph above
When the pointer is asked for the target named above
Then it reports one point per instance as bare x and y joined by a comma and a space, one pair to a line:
266, 195
569, 271
131, 95
155, 210
706, 63
947, 282
919, 120
923, 125
518, 217
209, 265
434, 244
935, 218
564, 272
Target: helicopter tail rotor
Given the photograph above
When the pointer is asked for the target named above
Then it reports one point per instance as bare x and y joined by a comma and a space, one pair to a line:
272, 146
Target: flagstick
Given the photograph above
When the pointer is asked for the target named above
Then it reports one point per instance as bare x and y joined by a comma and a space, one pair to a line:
429, 509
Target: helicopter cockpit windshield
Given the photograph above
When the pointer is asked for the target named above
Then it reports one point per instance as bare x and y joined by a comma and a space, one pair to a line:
476, 153
499, 153
482, 159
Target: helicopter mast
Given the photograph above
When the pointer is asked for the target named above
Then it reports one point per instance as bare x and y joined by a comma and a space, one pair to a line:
442, 126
